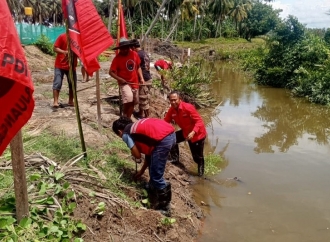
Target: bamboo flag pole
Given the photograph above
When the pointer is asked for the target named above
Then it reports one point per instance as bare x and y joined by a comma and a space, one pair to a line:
74, 90
118, 39
98, 102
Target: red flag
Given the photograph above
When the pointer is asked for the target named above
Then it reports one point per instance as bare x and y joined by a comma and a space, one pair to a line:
88, 35
16, 87
122, 24
121, 32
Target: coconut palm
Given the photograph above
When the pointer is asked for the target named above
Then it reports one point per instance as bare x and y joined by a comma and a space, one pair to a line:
240, 10
219, 10
161, 8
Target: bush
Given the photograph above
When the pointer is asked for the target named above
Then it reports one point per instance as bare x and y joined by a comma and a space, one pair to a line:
45, 45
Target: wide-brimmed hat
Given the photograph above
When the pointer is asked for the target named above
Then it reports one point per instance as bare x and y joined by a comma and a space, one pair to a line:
135, 43
123, 42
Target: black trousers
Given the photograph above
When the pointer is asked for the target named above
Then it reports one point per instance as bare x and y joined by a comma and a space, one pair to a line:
196, 148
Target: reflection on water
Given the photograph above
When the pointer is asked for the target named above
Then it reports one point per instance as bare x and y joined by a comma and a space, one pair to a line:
279, 148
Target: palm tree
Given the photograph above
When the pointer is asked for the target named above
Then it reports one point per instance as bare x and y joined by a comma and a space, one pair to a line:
155, 19
220, 9
240, 10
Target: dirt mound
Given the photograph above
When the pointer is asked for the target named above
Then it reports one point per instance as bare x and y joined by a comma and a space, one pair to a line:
166, 49
37, 60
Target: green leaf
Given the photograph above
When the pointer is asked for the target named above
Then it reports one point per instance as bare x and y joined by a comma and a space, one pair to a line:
35, 177
3, 223
51, 170
25, 222
41, 201
50, 200
78, 240
42, 188
70, 194
145, 201
53, 229
58, 189
72, 206
66, 185
58, 176
81, 226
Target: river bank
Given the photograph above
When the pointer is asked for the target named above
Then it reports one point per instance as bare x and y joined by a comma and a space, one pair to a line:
120, 221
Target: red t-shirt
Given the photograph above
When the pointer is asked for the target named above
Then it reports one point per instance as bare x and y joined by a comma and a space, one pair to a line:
162, 64
61, 60
127, 67
188, 119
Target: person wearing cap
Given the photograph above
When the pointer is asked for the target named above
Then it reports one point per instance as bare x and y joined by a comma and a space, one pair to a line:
162, 64
125, 68
192, 127
144, 90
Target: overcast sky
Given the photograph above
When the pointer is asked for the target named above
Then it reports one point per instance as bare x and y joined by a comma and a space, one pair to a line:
309, 12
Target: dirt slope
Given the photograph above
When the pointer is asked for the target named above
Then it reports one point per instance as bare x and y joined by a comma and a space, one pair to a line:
131, 224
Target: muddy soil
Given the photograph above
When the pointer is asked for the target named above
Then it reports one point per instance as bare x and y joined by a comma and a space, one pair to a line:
118, 223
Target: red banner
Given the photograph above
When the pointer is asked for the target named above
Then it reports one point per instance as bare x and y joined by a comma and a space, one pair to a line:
122, 24
16, 87
88, 35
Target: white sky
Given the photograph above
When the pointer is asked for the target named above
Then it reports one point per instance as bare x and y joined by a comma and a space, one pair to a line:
309, 12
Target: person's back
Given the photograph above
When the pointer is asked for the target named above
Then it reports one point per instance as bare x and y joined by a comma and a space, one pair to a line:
145, 64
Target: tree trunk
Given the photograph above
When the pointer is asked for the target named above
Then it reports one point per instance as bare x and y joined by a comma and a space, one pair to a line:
172, 31
141, 21
111, 3
200, 29
174, 25
195, 22
154, 20
216, 30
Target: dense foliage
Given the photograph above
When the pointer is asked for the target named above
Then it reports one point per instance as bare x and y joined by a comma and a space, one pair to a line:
182, 20
294, 59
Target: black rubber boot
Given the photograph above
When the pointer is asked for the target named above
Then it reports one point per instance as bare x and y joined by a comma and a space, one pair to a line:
153, 197
201, 168
160, 199
174, 154
164, 200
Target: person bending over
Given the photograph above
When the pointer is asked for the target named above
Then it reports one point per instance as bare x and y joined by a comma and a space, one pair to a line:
154, 138
192, 127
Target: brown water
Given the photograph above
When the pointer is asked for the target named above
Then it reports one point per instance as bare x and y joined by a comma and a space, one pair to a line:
279, 148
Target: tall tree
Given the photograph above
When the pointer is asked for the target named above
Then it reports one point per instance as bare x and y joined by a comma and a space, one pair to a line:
220, 9
161, 8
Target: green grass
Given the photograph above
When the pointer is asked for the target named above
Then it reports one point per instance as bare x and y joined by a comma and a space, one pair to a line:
108, 160
212, 163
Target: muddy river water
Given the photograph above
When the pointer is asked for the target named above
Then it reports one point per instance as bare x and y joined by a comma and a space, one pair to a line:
278, 147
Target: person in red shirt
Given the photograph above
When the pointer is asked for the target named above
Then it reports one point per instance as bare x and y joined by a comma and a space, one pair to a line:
125, 68
192, 127
162, 65
62, 68
154, 138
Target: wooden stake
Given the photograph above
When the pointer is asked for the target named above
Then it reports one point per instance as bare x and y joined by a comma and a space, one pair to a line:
98, 104
17, 157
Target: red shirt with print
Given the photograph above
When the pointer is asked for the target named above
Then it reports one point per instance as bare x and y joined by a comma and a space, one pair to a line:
61, 61
126, 67
162, 64
188, 119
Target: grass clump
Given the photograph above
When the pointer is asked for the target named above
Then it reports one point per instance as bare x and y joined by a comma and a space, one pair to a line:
45, 45
212, 163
